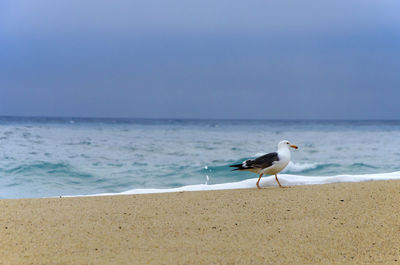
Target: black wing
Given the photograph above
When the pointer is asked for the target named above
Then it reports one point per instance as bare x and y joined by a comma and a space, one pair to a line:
260, 162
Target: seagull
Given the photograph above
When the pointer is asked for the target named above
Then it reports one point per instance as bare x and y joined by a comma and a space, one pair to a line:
269, 164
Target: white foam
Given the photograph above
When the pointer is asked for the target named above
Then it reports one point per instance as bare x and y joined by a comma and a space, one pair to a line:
298, 167
267, 181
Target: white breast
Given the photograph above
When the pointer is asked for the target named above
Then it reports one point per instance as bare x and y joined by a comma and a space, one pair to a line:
278, 166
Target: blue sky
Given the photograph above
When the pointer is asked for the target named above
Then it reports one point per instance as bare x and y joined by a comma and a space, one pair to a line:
204, 59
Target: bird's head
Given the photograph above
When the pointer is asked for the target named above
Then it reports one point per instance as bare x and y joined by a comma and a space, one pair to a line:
286, 144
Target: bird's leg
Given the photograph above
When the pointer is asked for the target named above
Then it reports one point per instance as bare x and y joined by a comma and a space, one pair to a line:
258, 186
280, 186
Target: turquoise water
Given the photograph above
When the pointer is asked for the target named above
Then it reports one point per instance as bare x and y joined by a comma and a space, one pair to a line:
41, 157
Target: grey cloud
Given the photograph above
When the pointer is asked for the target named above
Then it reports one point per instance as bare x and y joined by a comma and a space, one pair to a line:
224, 59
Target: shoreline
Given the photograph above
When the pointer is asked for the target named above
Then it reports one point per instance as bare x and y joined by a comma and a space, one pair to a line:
266, 182
344, 223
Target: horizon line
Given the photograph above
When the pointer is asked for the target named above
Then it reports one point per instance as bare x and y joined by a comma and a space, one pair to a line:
188, 118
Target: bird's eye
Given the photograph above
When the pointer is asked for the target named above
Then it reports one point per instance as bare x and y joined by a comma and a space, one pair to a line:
287, 142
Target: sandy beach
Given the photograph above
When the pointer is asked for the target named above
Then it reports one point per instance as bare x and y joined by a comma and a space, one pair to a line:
346, 223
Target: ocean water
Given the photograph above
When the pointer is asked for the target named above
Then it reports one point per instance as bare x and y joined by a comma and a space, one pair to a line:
45, 157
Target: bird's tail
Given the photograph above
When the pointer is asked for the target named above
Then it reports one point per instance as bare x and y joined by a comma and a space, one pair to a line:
238, 167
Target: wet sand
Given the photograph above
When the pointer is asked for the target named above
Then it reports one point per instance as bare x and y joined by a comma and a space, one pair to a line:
347, 223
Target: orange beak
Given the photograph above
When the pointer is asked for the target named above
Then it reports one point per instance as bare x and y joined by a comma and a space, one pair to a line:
294, 146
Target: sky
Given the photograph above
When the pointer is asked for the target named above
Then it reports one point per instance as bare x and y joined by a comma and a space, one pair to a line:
280, 59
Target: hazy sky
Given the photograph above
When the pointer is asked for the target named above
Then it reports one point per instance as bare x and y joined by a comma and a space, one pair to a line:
201, 59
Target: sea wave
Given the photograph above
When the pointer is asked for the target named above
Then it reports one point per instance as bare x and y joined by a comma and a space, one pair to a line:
42, 168
269, 181
327, 169
299, 167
